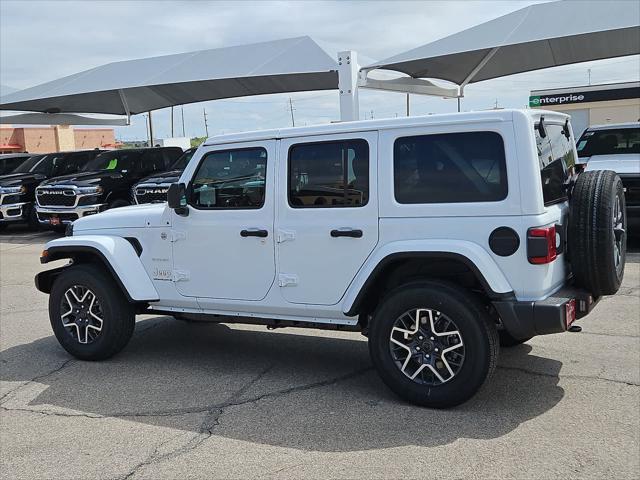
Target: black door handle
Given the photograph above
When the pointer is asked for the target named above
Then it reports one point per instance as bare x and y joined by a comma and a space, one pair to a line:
254, 232
346, 233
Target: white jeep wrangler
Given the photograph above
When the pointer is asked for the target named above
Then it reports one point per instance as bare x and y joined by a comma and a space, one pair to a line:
437, 237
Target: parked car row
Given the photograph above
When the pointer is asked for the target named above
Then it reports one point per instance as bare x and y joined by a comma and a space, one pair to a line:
55, 189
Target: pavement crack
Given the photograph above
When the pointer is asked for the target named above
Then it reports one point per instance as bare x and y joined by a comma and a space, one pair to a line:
39, 377
237, 395
50, 413
581, 377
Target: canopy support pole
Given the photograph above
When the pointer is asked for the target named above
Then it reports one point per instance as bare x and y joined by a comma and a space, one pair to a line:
123, 99
478, 67
348, 85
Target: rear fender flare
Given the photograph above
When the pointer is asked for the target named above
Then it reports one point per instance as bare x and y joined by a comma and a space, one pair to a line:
472, 254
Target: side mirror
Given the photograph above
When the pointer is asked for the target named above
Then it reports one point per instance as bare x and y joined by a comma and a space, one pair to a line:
177, 198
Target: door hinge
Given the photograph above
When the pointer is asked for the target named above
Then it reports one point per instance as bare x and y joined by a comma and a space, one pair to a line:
286, 236
287, 280
176, 235
180, 275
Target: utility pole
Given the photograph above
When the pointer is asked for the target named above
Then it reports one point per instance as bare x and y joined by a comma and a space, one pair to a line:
150, 129
407, 104
371, 114
171, 121
182, 109
206, 127
293, 120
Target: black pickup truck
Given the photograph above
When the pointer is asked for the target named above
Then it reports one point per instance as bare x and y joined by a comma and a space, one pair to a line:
154, 189
17, 189
102, 184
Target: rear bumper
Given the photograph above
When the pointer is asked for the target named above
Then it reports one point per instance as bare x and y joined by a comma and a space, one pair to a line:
15, 212
543, 317
67, 215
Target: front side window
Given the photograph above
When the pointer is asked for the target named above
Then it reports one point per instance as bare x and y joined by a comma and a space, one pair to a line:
557, 161
610, 141
117, 160
450, 168
230, 179
329, 174
73, 163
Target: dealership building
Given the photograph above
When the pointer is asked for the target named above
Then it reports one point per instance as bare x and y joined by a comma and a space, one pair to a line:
54, 139
592, 104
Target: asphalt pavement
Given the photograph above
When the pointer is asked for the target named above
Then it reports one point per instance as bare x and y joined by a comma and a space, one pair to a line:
187, 400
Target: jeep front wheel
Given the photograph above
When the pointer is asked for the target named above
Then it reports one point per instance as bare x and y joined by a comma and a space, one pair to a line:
433, 344
89, 314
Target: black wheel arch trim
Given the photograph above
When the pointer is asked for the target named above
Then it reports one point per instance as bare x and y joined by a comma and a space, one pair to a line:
45, 279
373, 276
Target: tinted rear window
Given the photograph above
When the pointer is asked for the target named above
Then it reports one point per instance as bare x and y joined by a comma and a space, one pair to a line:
620, 141
557, 161
450, 168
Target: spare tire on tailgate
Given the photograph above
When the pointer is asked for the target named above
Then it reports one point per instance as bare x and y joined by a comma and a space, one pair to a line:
597, 240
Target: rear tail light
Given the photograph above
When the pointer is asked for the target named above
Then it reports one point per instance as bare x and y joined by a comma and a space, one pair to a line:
541, 245
570, 312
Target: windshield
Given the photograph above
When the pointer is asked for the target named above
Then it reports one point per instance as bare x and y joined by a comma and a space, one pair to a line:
183, 161
38, 164
615, 141
118, 161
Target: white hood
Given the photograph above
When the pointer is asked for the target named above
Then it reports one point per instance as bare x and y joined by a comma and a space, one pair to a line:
137, 216
627, 163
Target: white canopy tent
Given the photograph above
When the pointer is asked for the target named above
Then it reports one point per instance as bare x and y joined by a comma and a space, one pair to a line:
536, 37
135, 86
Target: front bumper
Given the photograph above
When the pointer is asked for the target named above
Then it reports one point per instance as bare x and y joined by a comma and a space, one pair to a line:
543, 317
15, 212
67, 215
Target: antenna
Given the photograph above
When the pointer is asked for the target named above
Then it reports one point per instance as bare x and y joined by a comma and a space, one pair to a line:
293, 120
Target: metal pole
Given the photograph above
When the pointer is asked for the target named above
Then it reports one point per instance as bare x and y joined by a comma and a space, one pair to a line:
206, 127
150, 130
407, 104
172, 122
293, 121
182, 109
348, 85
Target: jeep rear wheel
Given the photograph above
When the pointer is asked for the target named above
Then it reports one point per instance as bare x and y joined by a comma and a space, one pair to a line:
89, 314
433, 344
597, 232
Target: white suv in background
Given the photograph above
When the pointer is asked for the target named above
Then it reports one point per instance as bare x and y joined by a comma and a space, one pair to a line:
439, 238
616, 147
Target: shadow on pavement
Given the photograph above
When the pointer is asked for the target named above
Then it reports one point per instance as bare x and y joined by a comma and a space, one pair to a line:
24, 235
283, 389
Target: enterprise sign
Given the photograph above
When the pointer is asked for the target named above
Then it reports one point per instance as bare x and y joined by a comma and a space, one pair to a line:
584, 97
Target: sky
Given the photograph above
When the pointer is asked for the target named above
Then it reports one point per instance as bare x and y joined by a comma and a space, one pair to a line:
45, 40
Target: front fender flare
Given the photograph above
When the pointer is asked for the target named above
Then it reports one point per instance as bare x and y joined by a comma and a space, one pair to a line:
117, 254
472, 254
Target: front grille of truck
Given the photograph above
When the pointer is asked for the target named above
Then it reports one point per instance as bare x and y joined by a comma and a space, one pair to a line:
151, 194
56, 197
9, 199
632, 190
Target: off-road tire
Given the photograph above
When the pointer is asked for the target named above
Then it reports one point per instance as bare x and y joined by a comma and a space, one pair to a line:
477, 329
119, 314
506, 340
591, 237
